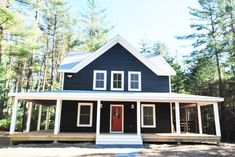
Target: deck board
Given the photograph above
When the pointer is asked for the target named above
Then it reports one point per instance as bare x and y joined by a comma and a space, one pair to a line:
154, 137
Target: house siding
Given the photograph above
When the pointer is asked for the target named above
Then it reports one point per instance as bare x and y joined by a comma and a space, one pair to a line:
117, 58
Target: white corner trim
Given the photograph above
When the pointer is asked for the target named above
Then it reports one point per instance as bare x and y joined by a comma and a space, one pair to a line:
126, 45
122, 79
142, 116
79, 111
169, 84
94, 79
139, 81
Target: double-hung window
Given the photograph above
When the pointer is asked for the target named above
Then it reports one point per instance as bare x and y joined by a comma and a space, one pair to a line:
134, 81
148, 116
84, 116
117, 80
99, 80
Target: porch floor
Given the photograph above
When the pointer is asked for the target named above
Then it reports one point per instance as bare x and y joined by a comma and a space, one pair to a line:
47, 135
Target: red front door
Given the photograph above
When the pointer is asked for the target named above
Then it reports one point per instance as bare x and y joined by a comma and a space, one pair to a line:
116, 118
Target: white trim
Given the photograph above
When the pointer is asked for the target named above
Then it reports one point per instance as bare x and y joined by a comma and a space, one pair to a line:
122, 79
217, 122
126, 45
94, 79
199, 118
47, 118
142, 116
79, 112
171, 116
110, 128
117, 96
139, 80
57, 116
62, 86
177, 117
169, 84
138, 118
98, 118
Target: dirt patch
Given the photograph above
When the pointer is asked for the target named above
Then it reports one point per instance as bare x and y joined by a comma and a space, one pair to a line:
90, 149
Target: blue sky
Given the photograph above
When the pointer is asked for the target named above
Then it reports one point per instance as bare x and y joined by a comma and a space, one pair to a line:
154, 20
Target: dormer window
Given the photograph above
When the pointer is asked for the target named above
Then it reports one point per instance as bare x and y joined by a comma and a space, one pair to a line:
99, 79
117, 80
134, 81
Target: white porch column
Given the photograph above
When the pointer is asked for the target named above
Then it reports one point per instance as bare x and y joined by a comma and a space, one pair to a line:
177, 117
57, 116
39, 117
30, 104
172, 126
14, 116
217, 122
199, 118
98, 118
47, 118
138, 118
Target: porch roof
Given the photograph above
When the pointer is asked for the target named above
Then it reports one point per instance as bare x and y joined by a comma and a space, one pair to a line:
49, 97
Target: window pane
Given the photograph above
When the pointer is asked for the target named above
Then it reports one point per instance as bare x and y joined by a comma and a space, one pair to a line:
117, 80
148, 120
84, 119
134, 85
100, 76
148, 110
115, 76
99, 84
134, 77
85, 109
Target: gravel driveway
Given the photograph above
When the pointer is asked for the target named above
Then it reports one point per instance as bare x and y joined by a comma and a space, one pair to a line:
89, 149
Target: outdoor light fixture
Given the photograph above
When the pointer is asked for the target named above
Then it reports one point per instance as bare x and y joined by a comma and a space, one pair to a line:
132, 106
101, 105
69, 75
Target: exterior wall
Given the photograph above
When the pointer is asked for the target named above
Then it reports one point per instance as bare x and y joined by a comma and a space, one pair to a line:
119, 59
69, 117
163, 121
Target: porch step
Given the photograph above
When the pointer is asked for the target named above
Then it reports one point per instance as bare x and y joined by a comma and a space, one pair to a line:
118, 139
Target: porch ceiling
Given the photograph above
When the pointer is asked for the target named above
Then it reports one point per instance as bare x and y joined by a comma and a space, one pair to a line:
50, 97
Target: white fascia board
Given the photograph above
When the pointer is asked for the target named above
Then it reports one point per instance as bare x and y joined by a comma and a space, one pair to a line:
126, 45
148, 97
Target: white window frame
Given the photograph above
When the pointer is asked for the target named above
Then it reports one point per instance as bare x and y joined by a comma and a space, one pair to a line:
78, 114
129, 80
117, 72
94, 79
142, 116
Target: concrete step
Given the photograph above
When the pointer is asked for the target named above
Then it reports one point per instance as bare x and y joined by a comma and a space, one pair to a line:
119, 140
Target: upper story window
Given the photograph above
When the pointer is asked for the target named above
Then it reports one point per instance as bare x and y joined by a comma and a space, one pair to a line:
134, 81
84, 116
117, 80
99, 80
148, 116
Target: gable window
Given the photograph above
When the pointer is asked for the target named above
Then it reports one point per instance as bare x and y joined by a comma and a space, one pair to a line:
84, 116
99, 79
148, 117
134, 81
117, 80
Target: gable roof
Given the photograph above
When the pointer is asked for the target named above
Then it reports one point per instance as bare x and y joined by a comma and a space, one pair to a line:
73, 63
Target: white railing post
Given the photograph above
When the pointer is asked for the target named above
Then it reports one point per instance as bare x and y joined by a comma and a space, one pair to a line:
57, 116
14, 116
39, 117
171, 116
98, 118
138, 119
199, 118
177, 117
217, 122
30, 104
